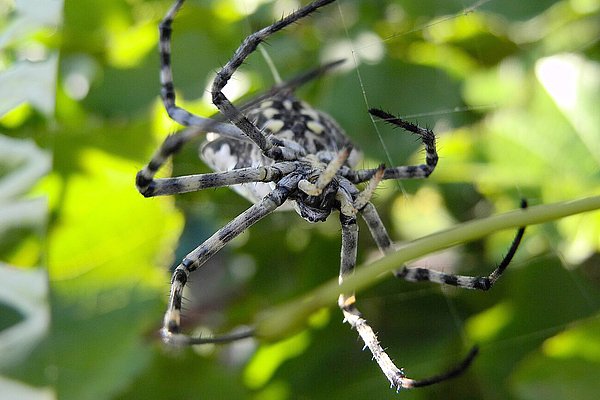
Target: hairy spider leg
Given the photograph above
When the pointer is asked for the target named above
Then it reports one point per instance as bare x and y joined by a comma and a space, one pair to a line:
144, 180
404, 171
196, 182
171, 331
241, 125
382, 239
414, 274
347, 301
149, 186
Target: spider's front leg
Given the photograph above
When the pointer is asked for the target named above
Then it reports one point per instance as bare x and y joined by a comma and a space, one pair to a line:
171, 331
177, 113
149, 186
247, 47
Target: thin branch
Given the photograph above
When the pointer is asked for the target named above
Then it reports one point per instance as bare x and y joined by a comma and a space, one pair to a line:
284, 320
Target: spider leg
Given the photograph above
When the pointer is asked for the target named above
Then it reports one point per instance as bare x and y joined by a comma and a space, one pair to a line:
148, 186
171, 324
246, 48
177, 113
378, 231
415, 274
170, 146
383, 241
407, 171
191, 183
347, 302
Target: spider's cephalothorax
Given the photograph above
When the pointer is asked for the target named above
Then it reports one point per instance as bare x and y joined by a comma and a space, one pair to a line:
279, 152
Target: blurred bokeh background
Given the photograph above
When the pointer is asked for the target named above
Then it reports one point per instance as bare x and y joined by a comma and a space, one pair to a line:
511, 88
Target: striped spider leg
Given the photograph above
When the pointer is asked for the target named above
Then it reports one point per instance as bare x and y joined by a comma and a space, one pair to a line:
352, 204
281, 153
413, 274
270, 148
382, 239
418, 274
384, 243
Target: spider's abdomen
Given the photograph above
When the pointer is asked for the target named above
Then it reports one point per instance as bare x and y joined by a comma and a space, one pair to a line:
286, 118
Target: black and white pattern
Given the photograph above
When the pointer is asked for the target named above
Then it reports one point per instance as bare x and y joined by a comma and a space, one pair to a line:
280, 152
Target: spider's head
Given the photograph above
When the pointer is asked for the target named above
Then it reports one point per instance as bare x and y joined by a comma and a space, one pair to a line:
312, 214
316, 208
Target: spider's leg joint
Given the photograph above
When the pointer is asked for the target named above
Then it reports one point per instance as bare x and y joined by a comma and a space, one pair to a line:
172, 328
188, 264
144, 184
482, 283
174, 338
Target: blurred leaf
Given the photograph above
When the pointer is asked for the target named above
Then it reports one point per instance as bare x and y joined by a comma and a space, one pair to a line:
565, 368
31, 16
26, 291
16, 390
23, 163
34, 83
106, 251
511, 90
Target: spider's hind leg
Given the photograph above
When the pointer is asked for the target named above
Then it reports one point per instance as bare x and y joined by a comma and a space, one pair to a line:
416, 274
383, 241
347, 301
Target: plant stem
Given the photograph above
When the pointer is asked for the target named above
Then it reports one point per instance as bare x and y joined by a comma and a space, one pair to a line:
286, 319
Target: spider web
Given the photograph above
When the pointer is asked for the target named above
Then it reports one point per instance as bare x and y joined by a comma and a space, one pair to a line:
436, 325
539, 340
505, 327
507, 129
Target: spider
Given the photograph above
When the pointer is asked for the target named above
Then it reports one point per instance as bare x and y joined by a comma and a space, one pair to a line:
280, 152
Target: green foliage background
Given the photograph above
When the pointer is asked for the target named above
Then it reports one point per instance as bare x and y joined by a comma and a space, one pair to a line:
512, 89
